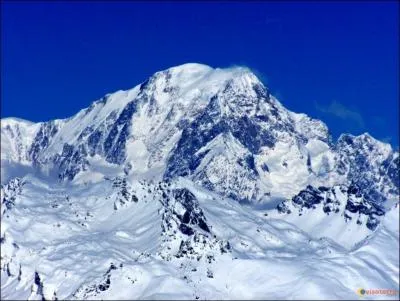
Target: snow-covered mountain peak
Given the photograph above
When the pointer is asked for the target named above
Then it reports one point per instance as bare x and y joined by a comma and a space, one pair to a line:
193, 70
199, 81
188, 69
157, 129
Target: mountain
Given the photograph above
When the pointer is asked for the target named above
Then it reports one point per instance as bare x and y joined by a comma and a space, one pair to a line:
187, 186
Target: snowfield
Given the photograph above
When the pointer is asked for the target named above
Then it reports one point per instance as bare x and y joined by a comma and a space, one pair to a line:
71, 238
197, 184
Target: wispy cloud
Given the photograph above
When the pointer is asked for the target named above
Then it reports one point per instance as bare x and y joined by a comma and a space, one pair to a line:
260, 75
339, 110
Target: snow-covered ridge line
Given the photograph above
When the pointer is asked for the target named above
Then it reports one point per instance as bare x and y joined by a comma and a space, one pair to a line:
156, 130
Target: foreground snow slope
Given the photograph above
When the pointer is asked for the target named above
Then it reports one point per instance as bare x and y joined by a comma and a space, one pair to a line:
85, 243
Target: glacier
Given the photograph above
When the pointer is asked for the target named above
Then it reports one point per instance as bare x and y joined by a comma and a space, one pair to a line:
195, 184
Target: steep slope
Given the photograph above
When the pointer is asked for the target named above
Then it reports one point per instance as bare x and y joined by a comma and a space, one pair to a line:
370, 164
16, 138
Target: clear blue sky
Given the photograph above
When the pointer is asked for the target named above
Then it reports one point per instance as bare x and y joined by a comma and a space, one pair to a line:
336, 61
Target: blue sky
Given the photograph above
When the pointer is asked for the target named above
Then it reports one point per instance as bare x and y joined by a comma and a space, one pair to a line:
336, 61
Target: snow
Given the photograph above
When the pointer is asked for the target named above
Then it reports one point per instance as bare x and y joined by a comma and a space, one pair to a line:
16, 135
287, 174
72, 245
114, 230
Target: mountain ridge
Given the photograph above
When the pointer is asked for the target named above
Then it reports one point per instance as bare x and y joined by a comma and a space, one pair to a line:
169, 107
